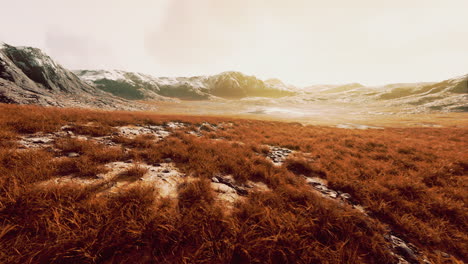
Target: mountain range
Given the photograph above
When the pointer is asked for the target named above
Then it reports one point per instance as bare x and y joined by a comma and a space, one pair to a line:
448, 95
29, 76
229, 85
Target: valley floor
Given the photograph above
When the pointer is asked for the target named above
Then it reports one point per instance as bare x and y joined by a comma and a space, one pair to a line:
316, 113
88, 186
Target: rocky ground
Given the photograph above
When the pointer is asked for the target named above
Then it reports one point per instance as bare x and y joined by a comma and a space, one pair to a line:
167, 178
364, 191
163, 175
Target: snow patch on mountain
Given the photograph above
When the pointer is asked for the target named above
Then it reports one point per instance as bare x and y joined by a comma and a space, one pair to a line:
233, 85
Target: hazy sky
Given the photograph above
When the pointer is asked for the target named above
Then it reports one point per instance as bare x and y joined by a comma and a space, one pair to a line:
301, 42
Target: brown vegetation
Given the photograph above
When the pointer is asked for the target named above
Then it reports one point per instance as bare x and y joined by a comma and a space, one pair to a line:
412, 181
133, 173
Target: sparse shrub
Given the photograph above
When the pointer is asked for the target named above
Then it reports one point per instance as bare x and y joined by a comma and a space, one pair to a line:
133, 173
80, 146
262, 149
304, 167
195, 193
140, 141
107, 154
7, 139
96, 152
79, 167
407, 151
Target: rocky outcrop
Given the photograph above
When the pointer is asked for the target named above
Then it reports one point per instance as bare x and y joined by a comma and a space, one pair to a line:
278, 155
29, 76
405, 252
41, 70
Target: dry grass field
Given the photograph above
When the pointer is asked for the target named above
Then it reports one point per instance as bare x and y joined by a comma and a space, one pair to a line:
88, 186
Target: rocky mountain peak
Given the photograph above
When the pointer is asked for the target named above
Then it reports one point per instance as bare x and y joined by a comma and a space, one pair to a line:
30, 76
42, 69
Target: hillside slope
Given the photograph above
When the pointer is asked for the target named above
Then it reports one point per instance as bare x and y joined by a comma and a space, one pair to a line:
448, 95
29, 76
230, 85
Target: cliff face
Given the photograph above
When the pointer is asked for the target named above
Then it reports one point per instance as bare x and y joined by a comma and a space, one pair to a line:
29, 76
43, 71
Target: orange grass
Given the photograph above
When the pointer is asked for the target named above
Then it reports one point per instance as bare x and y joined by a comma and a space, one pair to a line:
410, 180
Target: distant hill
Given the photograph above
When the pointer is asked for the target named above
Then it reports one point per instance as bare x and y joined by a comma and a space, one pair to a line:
138, 86
448, 95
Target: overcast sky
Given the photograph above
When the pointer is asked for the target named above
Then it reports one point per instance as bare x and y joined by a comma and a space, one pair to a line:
302, 42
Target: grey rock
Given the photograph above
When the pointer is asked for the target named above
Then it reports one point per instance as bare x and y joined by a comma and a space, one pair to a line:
345, 196
443, 254
66, 128
41, 140
29, 76
73, 155
332, 194
402, 248
206, 127
230, 182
